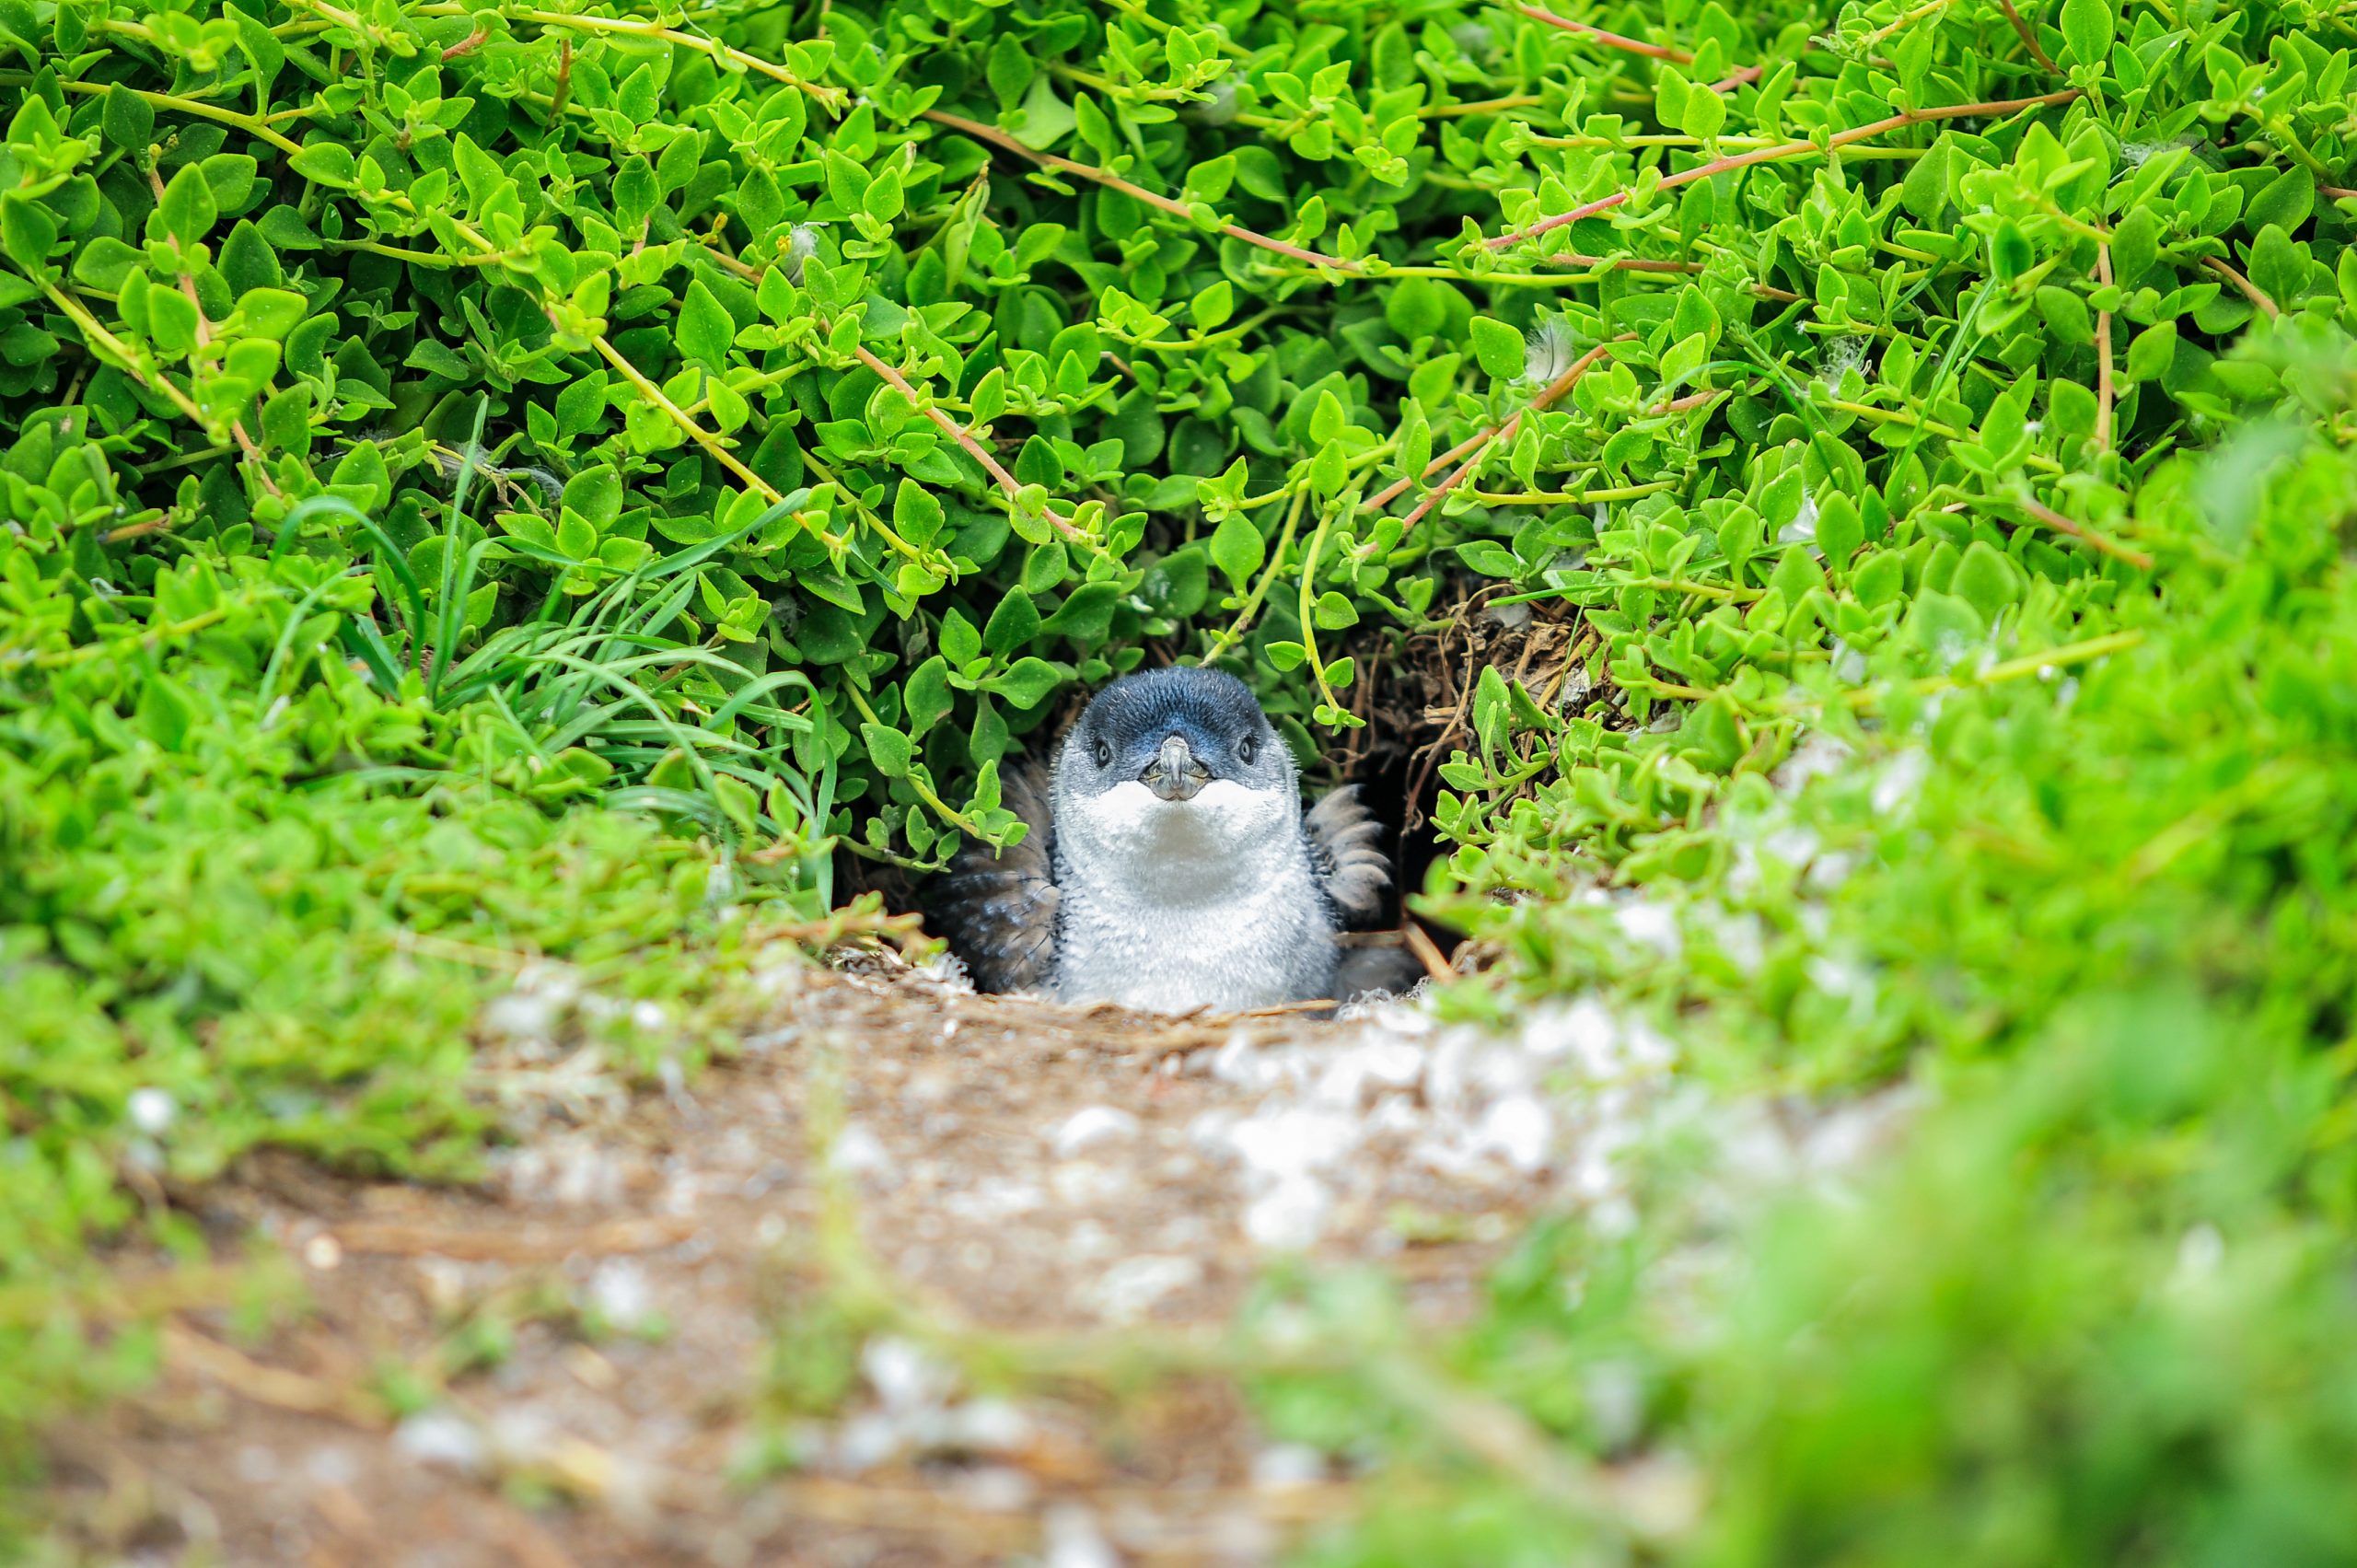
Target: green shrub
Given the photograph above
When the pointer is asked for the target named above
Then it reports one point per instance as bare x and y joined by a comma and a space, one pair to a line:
545, 480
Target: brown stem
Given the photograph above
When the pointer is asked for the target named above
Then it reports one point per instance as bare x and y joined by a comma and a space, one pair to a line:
2335, 193
1546, 396
564, 88
253, 456
1691, 401
900, 383
1609, 40
203, 338
1785, 150
2037, 50
998, 138
2104, 391
1392, 492
1637, 46
2085, 535
1427, 951
467, 45
139, 530
965, 438
2251, 290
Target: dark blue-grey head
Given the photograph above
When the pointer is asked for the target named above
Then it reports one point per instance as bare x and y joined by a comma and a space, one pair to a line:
1175, 731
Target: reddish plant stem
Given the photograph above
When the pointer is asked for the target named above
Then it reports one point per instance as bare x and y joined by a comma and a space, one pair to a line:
999, 138
2251, 290
467, 45
1624, 263
1785, 150
1609, 40
138, 530
940, 417
1638, 46
1691, 401
1546, 396
2335, 193
564, 88
203, 338
2103, 354
1399, 487
2037, 50
967, 439
2085, 535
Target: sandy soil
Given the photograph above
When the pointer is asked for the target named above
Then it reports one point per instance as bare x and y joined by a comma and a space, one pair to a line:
753, 1319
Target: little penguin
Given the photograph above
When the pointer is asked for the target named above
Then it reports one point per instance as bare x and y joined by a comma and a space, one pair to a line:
1169, 865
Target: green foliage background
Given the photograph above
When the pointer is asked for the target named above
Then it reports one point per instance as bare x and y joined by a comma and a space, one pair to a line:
491, 481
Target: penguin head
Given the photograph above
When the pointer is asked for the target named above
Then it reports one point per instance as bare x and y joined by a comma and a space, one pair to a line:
1173, 773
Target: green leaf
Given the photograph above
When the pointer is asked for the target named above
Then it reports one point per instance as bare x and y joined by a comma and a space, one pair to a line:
2066, 315
2086, 32
887, 748
2151, 352
706, 330
1015, 622
2286, 202
1045, 119
595, 494
960, 644
929, 697
2009, 251
1237, 550
916, 515
1705, 113
1009, 69
1488, 557
271, 313
1027, 683
129, 122
574, 537
1985, 580
248, 261
1330, 471
28, 230
1417, 308
1839, 529
1335, 613
884, 197
326, 163
1214, 306
104, 263
2135, 246
581, 407
1497, 347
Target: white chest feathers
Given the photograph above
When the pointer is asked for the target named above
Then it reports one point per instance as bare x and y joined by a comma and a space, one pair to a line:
1173, 905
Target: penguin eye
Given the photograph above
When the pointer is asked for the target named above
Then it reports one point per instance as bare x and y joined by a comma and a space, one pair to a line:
1104, 755
1247, 749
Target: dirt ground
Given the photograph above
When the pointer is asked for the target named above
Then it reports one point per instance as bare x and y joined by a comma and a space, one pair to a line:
741, 1323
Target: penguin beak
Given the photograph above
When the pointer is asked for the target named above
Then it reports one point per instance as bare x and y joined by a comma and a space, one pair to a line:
1174, 774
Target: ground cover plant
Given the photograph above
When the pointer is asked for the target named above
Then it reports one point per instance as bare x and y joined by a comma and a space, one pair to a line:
491, 482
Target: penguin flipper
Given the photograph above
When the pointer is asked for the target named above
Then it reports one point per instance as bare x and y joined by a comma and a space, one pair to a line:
1346, 853
997, 908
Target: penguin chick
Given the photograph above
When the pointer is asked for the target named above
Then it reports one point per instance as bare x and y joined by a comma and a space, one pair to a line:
1169, 864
